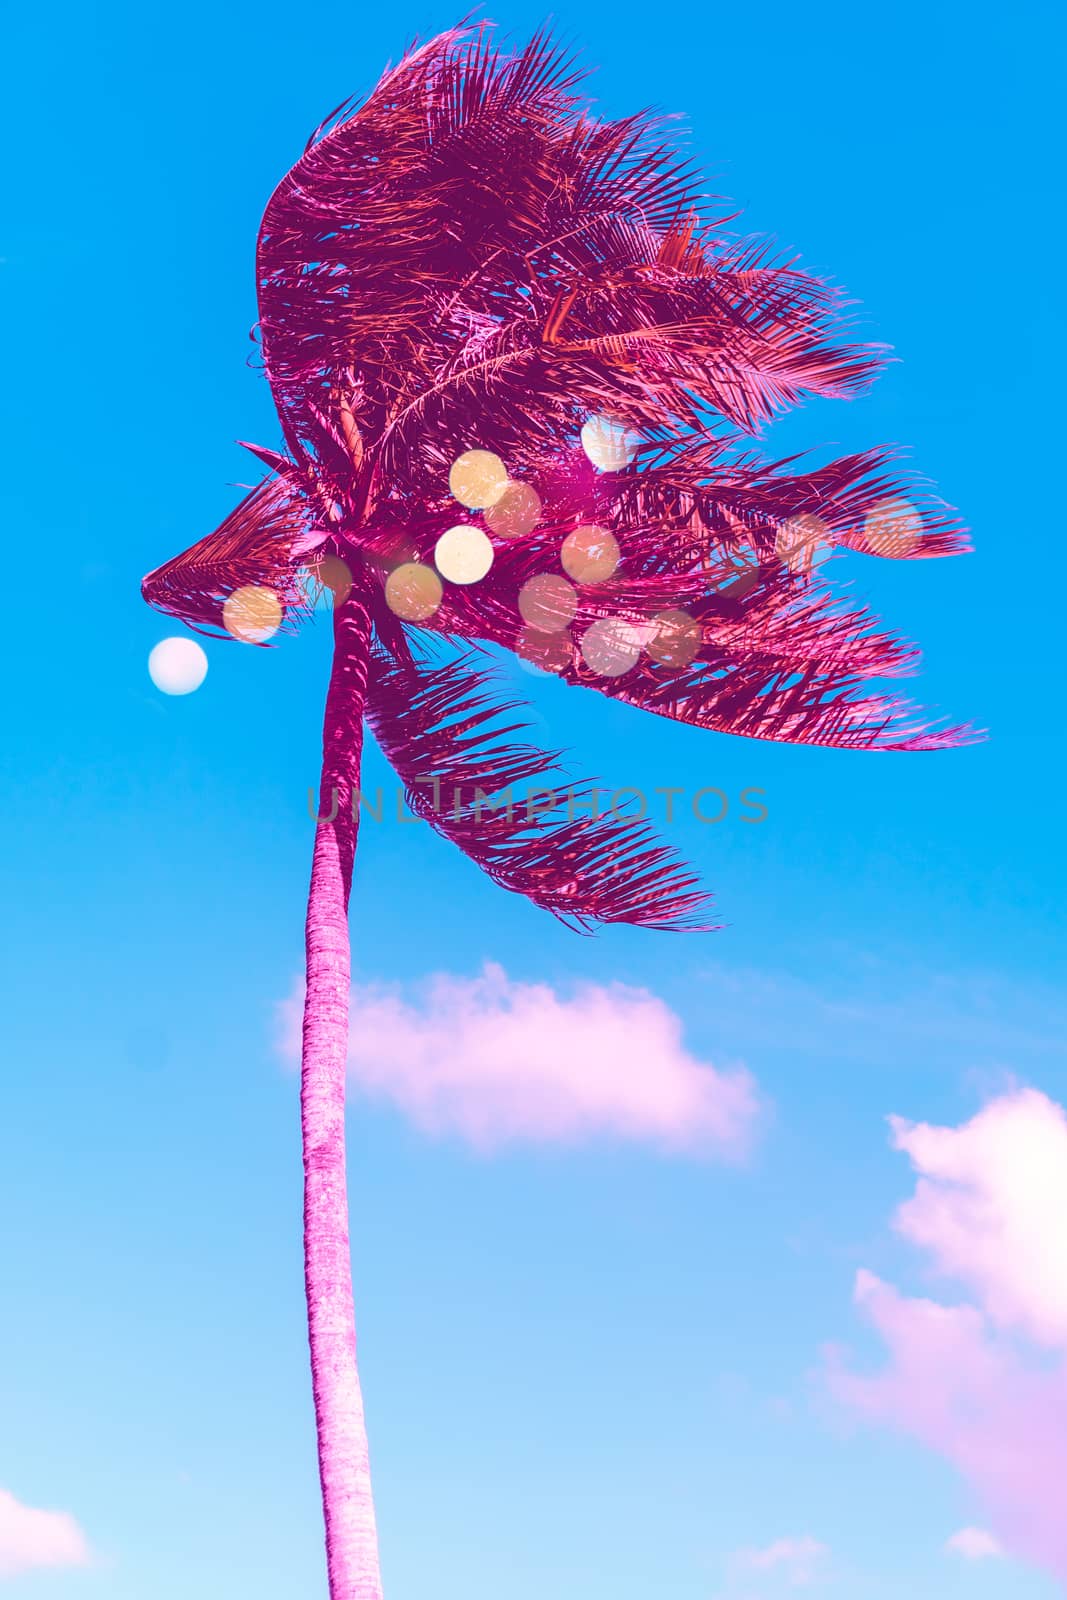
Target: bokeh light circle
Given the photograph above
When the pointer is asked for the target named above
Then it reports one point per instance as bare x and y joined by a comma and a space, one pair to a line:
413, 591
611, 646
548, 603
516, 513
892, 528
803, 541
463, 554
550, 652
609, 443
676, 640
177, 665
252, 613
335, 576
590, 554
477, 479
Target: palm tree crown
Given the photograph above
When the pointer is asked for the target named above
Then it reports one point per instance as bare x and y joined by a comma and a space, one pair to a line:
469, 267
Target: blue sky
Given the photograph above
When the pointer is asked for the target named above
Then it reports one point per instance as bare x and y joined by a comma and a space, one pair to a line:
590, 1371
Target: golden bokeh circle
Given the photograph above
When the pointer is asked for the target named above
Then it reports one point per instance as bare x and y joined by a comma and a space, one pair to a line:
590, 554
677, 639
611, 646
548, 603
516, 513
892, 528
336, 576
463, 554
477, 479
413, 591
252, 613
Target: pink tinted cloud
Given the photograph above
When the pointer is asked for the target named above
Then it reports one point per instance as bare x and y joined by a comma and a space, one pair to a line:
974, 1544
796, 1560
30, 1538
980, 1383
496, 1060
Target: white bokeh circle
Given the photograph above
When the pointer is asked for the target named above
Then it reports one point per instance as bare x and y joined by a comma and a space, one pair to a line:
177, 665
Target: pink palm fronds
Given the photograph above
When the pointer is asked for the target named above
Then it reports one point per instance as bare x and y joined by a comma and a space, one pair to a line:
480, 306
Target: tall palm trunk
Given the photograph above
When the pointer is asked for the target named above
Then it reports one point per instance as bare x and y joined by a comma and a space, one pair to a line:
344, 1465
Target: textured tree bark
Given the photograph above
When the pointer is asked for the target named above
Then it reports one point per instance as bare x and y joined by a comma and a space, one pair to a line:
344, 1464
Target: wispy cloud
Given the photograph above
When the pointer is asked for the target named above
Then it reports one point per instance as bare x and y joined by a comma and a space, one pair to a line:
30, 1538
796, 1560
495, 1060
864, 1010
984, 1383
974, 1544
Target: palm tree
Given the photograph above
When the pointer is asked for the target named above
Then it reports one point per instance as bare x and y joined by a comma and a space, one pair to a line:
515, 367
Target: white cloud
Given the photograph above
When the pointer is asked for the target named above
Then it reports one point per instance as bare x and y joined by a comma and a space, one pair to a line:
984, 1207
